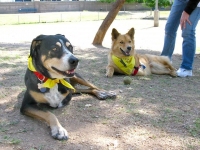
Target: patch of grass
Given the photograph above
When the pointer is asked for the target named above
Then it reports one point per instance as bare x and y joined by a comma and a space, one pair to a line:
32, 18
39, 148
5, 58
4, 126
9, 140
191, 147
105, 121
195, 129
18, 56
14, 122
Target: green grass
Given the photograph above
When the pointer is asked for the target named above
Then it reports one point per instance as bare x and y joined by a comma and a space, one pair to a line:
7, 139
32, 18
10, 140
195, 129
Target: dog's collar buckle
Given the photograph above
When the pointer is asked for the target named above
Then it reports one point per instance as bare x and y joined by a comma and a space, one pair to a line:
42, 80
40, 77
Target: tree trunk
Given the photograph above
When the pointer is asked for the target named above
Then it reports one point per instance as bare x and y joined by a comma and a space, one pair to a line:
107, 22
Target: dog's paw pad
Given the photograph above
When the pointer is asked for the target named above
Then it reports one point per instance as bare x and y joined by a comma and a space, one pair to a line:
109, 74
59, 133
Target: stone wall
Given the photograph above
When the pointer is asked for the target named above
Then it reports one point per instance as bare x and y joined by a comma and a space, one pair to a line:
63, 6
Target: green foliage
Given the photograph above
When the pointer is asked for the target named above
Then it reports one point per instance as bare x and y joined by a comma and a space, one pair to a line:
161, 3
107, 1
136, 1
128, 1
195, 129
149, 3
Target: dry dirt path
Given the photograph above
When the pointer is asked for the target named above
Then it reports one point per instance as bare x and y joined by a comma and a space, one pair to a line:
152, 113
82, 33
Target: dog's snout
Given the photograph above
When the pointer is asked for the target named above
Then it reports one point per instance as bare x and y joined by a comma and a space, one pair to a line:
129, 48
73, 61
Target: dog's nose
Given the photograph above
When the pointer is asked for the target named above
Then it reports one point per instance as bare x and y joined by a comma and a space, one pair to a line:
129, 48
73, 61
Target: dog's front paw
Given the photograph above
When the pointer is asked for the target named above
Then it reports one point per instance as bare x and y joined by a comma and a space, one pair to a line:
109, 72
102, 95
109, 75
59, 133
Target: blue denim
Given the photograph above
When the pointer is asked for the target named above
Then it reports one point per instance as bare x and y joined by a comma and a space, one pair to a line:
188, 34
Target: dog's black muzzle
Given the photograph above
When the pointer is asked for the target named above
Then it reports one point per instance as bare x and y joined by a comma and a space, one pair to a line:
73, 61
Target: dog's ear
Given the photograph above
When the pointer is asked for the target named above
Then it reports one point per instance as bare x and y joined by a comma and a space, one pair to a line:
114, 34
60, 35
35, 44
131, 33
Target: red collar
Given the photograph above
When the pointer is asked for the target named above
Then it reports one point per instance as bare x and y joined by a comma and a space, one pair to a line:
41, 77
135, 71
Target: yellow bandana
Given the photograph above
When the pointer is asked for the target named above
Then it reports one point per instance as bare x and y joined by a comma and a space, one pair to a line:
125, 64
49, 82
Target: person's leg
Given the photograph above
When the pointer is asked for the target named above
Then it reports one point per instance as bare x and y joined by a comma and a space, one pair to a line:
172, 26
189, 40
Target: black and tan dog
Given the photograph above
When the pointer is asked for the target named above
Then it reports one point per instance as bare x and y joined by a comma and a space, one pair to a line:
123, 59
50, 79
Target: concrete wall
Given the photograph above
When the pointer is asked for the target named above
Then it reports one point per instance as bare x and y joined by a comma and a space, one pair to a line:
62, 6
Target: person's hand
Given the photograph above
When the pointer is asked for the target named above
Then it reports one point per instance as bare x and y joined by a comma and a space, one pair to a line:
184, 19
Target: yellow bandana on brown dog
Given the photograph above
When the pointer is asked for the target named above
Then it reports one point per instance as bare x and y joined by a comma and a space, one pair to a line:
125, 64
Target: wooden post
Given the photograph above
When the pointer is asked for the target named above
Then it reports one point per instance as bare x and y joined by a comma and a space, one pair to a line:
156, 15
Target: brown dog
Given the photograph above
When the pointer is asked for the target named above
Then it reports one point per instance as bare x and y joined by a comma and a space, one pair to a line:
123, 59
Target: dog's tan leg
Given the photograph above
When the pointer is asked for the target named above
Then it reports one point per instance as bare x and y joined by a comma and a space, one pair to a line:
162, 65
109, 71
141, 73
167, 68
144, 72
57, 131
99, 93
173, 73
172, 69
76, 79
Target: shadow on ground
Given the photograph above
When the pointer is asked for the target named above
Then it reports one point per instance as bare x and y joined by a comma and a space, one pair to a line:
153, 112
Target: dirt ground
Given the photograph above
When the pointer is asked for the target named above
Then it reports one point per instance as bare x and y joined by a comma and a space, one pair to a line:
156, 112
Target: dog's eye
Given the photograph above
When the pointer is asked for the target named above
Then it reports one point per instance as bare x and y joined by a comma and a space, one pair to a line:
129, 41
54, 49
121, 42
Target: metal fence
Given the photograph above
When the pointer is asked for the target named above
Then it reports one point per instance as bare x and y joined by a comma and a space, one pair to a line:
31, 18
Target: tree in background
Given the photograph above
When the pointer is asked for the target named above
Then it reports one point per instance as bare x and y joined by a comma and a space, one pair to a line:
117, 5
98, 39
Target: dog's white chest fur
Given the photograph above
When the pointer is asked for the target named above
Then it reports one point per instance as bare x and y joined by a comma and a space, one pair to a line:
54, 97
